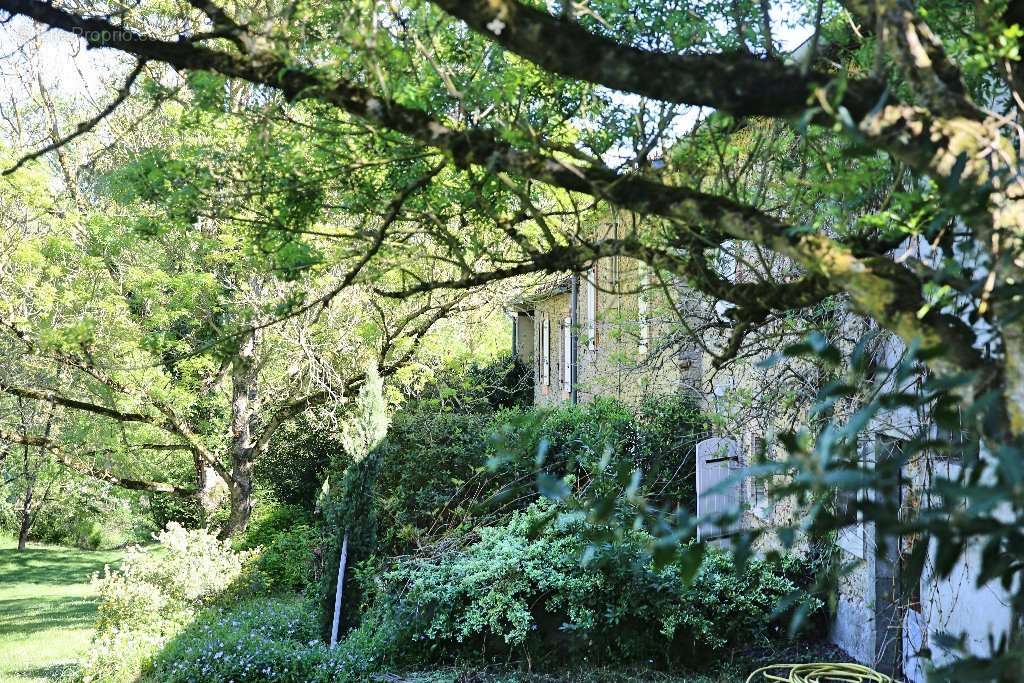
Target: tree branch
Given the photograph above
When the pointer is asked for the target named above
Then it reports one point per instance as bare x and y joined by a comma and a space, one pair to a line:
54, 397
85, 469
877, 286
738, 82
85, 126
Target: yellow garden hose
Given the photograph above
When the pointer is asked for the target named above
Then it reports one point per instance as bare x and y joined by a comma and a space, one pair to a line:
818, 672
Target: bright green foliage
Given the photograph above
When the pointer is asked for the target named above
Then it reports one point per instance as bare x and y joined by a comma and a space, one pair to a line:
288, 563
543, 587
154, 594
271, 520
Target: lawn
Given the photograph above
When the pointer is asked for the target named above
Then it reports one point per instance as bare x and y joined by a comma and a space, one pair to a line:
47, 608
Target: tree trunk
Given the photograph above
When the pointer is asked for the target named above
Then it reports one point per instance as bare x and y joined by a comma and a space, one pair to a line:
26, 520
240, 487
209, 487
244, 376
26, 502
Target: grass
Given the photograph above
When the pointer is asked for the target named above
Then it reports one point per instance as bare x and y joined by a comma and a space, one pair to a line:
47, 608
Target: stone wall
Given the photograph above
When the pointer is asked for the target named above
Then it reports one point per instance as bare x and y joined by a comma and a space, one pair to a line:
626, 348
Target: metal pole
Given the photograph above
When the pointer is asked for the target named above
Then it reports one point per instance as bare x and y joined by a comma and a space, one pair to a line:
337, 593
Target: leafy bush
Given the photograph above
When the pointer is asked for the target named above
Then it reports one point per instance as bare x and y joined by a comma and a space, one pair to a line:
300, 455
88, 515
432, 477
152, 595
165, 509
548, 590
270, 520
445, 473
271, 640
667, 432
288, 563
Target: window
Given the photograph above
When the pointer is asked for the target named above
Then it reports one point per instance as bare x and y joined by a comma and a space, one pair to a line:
545, 352
567, 355
592, 308
759, 486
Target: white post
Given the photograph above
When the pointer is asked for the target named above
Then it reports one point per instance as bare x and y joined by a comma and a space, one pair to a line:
337, 592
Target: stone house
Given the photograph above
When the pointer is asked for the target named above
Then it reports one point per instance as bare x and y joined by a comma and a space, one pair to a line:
602, 333
609, 332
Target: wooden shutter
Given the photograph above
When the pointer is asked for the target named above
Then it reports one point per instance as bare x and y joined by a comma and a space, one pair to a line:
545, 342
592, 308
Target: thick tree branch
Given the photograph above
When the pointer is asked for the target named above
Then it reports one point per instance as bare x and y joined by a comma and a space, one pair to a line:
169, 423
739, 82
53, 397
72, 463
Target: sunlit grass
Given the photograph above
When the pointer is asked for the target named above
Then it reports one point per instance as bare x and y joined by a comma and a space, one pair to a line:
47, 608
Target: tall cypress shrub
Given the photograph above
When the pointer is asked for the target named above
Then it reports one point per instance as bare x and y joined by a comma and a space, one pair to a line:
348, 506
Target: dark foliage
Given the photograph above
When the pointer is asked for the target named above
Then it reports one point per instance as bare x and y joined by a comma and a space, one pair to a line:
505, 382
446, 473
298, 460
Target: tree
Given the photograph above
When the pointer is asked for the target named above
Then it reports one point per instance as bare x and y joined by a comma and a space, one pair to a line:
349, 510
183, 329
896, 120
31, 471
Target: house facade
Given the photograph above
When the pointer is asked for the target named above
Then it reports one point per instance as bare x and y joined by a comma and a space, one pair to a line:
603, 333
611, 332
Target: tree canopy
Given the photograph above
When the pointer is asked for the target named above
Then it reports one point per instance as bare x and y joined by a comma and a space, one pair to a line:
861, 155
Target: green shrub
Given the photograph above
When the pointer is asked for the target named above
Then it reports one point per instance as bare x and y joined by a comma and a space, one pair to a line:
445, 473
288, 563
300, 455
433, 477
269, 521
271, 640
165, 509
153, 595
667, 432
475, 387
524, 586
349, 506
89, 515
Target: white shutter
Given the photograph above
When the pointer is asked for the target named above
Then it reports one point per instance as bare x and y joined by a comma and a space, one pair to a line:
592, 308
567, 354
717, 459
545, 342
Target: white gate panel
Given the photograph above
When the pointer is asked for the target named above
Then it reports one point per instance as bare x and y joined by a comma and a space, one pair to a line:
717, 459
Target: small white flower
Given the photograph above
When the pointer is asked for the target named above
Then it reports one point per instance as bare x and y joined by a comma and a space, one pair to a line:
496, 26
